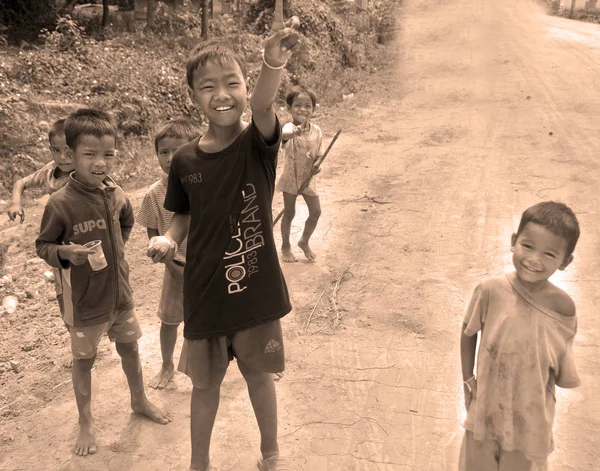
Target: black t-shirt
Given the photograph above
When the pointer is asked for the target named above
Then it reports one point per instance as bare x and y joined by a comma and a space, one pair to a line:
232, 278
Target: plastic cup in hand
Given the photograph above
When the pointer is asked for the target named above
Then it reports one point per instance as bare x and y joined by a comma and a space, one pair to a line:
9, 303
97, 260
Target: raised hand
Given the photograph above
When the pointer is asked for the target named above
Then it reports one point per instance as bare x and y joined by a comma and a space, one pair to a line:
280, 46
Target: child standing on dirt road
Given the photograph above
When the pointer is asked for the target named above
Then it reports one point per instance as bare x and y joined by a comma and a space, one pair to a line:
303, 145
221, 188
527, 327
156, 219
91, 208
50, 178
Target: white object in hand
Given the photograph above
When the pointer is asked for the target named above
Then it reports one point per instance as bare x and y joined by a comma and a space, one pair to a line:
161, 245
97, 259
161, 241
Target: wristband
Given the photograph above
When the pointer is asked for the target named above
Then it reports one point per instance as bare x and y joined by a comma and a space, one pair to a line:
270, 66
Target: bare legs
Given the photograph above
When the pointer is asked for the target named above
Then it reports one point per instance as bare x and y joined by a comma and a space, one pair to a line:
82, 385
132, 366
261, 389
314, 213
168, 339
289, 211
205, 402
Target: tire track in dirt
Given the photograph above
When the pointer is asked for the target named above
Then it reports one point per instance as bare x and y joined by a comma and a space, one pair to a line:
480, 202
422, 424
581, 146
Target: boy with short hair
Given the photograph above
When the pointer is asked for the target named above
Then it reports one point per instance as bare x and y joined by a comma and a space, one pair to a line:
221, 190
527, 327
156, 219
97, 298
50, 178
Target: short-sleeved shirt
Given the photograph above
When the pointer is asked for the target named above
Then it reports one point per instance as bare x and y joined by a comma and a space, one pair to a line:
233, 280
45, 179
153, 215
525, 350
300, 154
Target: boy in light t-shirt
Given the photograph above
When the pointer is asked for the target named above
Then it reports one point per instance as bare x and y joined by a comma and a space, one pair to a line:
527, 326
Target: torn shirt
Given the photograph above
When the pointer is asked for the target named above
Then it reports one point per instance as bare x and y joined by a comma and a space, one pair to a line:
525, 350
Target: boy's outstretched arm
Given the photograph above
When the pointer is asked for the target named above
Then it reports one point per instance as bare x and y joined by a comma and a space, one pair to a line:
276, 54
35, 180
16, 208
468, 347
289, 131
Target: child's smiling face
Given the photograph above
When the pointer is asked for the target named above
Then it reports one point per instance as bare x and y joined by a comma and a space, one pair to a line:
538, 253
93, 159
220, 91
302, 108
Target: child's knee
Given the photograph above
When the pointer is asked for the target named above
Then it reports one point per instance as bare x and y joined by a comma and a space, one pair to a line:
127, 349
83, 364
289, 212
170, 328
314, 214
254, 376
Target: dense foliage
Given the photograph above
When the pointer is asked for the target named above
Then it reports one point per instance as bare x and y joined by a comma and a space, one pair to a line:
139, 76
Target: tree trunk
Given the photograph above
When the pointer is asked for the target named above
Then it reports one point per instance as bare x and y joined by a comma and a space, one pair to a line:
105, 12
151, 9
205, 19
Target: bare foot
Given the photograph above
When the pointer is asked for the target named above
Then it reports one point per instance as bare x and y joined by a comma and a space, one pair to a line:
68, 361
287, 255
163, 377
151, 411
308, 253
86, 442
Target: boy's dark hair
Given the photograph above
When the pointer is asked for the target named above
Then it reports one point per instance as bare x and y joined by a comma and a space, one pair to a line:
558, 218
212, 50
57, 129
299, 90
89, 122
178, 128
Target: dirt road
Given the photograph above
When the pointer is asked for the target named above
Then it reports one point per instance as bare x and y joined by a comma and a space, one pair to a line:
491, 107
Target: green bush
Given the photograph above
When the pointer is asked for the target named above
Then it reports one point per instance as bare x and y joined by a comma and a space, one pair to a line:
23, 19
